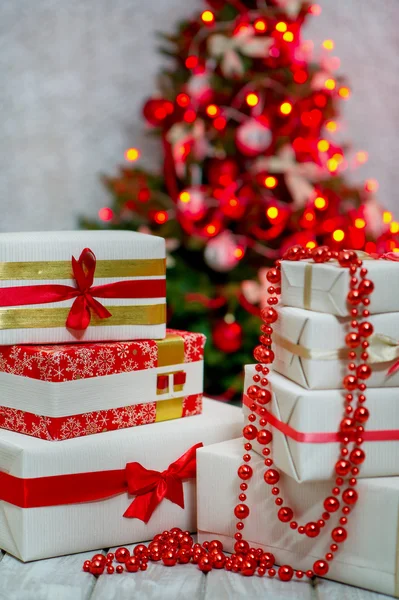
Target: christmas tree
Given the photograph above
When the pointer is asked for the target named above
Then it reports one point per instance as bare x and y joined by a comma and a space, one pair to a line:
247, 121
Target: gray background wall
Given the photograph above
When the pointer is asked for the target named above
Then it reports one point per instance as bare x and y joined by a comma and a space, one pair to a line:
73, 76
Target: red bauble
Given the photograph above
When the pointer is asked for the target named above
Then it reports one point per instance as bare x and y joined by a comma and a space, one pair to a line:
155, 110
227, 337
222, 171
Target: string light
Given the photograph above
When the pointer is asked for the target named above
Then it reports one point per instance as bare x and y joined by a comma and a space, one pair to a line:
212, 110
300, 76
184, 197
344, 92
331, 126
310, 244
332, 164
252, 99
315, 9
320, 202
329, 84
328, 44
386, 216
309, 216
191, 62
323, 146
208, 17
260, 25
106, 213
360, 223
132, 154
270, 182
362, 157
161, 217
272, 212
238, 253
320, 100
183, 100
219, 123
286, 108
190, 115
288, 36
211, 229
396, 250
281, 26
338, 235
394, 228
371, 185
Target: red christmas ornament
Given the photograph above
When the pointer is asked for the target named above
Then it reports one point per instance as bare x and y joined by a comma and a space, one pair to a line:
155, 111
222, 172
227, 337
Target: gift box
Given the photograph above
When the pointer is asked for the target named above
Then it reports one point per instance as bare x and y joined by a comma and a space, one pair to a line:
70, 286
305, 425
59, 392
310, 348
368, 557
323, 287
107, 490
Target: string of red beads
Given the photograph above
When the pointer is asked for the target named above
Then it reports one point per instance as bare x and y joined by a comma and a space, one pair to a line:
177, 546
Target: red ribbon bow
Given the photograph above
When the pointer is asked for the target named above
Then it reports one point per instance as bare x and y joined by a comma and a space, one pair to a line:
151, 487
84, 293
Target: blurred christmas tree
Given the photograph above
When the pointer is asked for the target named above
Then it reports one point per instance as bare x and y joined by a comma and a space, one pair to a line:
246, 120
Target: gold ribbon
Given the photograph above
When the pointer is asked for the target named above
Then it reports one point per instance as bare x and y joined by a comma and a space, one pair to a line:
169, 409
170, 350
60, 269
33, 318
382, 349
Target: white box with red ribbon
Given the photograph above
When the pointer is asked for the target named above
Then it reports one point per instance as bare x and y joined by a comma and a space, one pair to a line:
305, 424
105, 490
323, 287
70, 286
368, 558
309, 347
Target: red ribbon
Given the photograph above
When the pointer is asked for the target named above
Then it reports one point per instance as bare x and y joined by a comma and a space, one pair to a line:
84, 293
382, 435
149, 487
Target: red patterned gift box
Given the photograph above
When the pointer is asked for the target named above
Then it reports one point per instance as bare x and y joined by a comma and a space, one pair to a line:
60, 392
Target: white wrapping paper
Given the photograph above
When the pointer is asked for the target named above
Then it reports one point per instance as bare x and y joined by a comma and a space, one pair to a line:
320, 411
44, 248
35, 533
309, 348
324, 287
369, 556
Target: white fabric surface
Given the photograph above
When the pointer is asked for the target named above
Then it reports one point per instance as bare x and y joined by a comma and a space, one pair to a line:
74, 75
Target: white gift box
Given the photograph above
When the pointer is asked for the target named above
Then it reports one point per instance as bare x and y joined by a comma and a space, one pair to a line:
45, 258
323, 287
44, 531
310, 348
313, 416
368, 558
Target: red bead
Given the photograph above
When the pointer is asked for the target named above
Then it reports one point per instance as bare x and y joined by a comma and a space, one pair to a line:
218, 560
320, 254
264, 355
243, 486
339, 535
264, 397
329, 556
86, 566
262, 422
269, 315
354, 297
241, 547
321, 523
132, 564
271, 572
364, 356
301, 529
339, 481
299, 574
264, 437
350, 382
252, 393
361, 414
267, 558
169, 557
246, 457
347, 425
346, 510
333, 547
366, 286
271, 476
349, 496
273, 275
252, 418
268, 462
110, 569
357, 456
285, 573
110, 556
352, 355
363, 371
259, 367
266, 451
366, 329
285, 514
119, 569
248, 567
278, 501
240, 526
121, 555
275, 491
205, 564
293, 524
346, 257
215, 545
312, 529
248, 446
140, 551
100, 557
156, 555
325, 516
241, 511
264, 381
256, 378
335, 491
245, 472
261, 571
352, 340
343, 520
320, 567
143, 566
242, 497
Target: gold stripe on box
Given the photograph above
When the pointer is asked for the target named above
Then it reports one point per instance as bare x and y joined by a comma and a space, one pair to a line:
169, 409
170, 350
33, 318
62, 269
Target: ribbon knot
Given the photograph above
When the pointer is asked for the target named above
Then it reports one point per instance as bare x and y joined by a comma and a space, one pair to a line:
151, 487
83, 271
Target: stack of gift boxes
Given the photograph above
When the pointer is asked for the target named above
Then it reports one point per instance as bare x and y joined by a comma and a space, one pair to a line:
94, 449
304, 413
